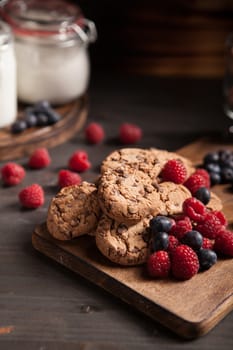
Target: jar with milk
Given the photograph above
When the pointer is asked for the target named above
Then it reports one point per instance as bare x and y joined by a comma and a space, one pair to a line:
8, 98
51, 42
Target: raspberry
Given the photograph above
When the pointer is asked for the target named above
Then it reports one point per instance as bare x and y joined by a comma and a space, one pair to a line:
194, 182
158, 264
194, 209
68, 178
211, 226
130, 133
173, 243
32, 196
207, 243
204, 173
184, 262
94, 133
79, 161
220, 216
39, 159
175, 171
12, 174
224, 243
182, 225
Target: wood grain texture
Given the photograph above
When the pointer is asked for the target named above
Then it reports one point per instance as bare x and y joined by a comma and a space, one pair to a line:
190, 308
18, 145
178, 38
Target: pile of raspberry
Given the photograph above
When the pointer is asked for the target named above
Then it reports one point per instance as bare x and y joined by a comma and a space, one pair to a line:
183, 245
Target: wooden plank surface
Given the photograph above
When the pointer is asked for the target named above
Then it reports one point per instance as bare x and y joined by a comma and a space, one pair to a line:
190, 308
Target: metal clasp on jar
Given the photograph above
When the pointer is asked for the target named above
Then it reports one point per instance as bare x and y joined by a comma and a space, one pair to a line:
88, 33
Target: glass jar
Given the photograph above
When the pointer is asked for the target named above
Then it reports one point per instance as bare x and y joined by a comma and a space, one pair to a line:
8, 97
51, 41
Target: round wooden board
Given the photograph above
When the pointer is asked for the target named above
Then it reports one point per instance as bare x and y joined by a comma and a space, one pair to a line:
73, 114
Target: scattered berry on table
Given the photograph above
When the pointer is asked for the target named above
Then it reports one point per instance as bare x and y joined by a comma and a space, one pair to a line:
194, 209
207, 258
184, 262
203, 194
32, 196
130, 133
160, 241
39, 159
12, 174
161, 224
94, 133
158, 264
79, 161
193, 239
68, 178
174, 170
224, 243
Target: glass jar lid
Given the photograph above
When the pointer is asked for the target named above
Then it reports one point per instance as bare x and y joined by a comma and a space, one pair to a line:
54, 19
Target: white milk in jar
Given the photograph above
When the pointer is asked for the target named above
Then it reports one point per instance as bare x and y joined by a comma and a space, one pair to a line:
8, 98
51, 49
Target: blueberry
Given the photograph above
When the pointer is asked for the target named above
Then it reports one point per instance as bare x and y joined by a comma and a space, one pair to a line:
227, 175
225, 157
18, 126
53, 116
42, 119
193, 239
160, 224
42, 106
212, 167
207, 258
212, 157
30, 117
215, 178
160, 241
203, 194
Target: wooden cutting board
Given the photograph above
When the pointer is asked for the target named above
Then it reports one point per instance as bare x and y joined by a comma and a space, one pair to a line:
189, 308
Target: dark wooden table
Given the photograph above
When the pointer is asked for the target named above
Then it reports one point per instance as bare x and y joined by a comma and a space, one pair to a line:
43, 305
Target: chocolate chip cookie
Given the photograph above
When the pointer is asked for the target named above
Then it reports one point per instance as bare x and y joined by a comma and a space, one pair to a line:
122, 243
74, 211
131, 195
148, 160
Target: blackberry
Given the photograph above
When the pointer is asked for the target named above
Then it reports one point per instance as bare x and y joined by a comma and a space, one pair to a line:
193, 239
207, 258
203, 194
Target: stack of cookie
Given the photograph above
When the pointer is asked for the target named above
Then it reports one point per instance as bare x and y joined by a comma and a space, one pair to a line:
117, 209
